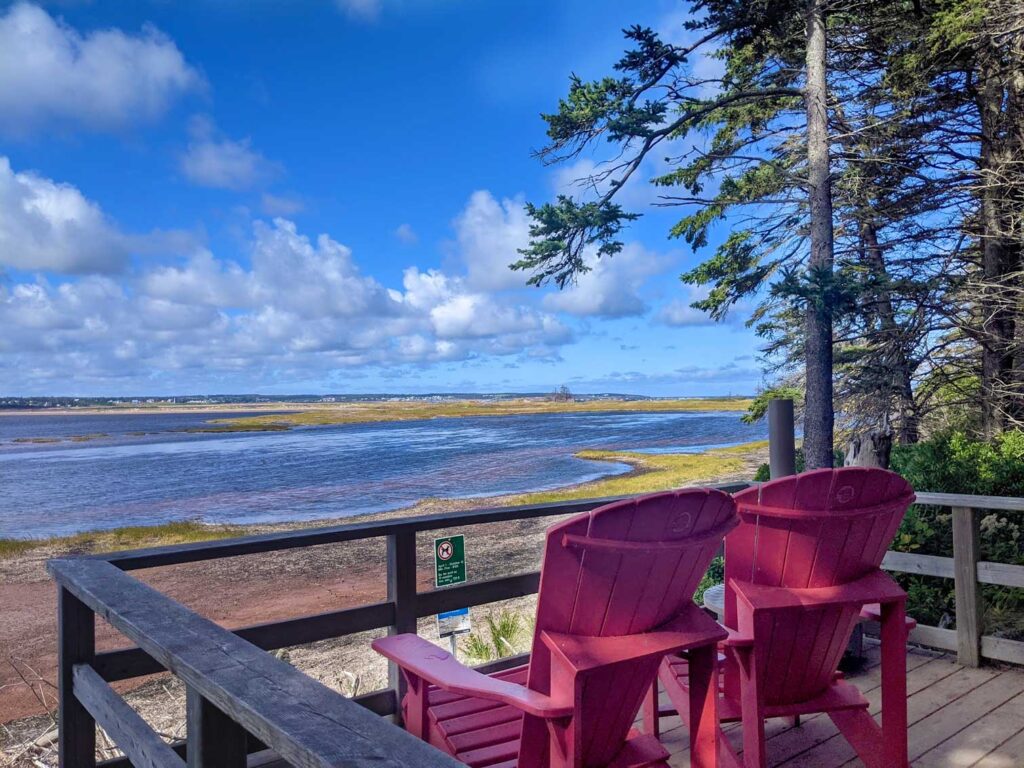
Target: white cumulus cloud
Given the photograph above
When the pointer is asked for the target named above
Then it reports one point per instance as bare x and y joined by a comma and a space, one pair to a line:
612, 286
103, 80
212, 160
300, 307
53, 227
488, 235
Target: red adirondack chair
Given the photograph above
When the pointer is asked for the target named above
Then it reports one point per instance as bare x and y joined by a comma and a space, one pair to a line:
616, 595
800, 570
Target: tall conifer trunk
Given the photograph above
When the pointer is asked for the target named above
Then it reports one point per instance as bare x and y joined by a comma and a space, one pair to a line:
818, 413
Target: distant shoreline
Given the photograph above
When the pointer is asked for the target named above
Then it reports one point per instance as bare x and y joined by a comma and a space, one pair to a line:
525, 404
279, 416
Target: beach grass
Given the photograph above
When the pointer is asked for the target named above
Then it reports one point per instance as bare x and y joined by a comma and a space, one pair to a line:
368, 412
128, 537
15, 547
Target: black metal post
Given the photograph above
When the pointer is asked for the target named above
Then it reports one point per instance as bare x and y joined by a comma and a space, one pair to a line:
781, 438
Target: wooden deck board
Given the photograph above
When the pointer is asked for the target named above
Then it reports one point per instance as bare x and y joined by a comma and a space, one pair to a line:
959, 718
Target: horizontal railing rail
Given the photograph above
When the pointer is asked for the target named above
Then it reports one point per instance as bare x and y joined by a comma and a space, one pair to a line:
99, 583
967, 570
231, 720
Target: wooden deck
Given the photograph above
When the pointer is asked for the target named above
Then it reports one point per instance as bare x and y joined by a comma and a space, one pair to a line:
959, 717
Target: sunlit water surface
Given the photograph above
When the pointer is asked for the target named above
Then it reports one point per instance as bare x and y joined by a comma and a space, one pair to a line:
128, 478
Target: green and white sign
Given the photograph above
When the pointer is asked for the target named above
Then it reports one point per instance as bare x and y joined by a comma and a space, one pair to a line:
450, 560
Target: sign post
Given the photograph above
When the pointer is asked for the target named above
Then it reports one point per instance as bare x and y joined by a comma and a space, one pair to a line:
450, 569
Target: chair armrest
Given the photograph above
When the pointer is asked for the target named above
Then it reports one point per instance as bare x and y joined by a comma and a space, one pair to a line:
737, 639
690, 629
873, 612
876, 587
435, 665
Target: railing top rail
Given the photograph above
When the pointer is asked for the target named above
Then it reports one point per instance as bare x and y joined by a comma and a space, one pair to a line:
1007, 503
247, 545
302, 720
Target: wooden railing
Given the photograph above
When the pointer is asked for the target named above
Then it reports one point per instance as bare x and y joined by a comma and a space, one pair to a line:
967, 571
300, 719
228, 717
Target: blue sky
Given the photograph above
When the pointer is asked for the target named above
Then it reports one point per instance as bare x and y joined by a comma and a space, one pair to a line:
230, 196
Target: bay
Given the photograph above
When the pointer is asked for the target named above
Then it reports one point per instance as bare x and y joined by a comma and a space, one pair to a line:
138, 469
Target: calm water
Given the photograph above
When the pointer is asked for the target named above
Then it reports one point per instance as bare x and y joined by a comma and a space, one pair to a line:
126, 478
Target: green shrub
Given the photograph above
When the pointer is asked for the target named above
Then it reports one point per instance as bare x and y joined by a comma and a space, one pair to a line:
715, 574
955, 463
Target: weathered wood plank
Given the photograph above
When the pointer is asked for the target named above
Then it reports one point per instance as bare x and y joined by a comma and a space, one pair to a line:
134, 662
123, 724
1003, 574
76, 637
214, 739
1009, 754
381, 702
966, 552
836, 751
968, 745
1005, 503
962, 713
924, 565
933, 637
1002, 649
306, 723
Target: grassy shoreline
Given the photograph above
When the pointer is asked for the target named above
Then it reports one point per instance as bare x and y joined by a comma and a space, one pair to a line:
648, 473
374, 411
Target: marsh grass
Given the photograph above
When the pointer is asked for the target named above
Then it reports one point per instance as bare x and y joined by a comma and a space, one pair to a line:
129, 537
652, 472
366, 412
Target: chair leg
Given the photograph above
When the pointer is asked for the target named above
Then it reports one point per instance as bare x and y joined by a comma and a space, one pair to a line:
415, 706
894, 684
703, 693
752, 711
652, 720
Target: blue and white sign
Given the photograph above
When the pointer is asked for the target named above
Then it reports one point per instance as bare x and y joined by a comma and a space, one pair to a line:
451, 623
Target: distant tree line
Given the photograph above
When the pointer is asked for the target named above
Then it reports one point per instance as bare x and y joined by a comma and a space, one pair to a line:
868, 157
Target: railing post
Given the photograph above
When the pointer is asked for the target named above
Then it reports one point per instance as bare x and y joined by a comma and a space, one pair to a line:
781, 438
965, 580
76, 638
402, 592
214, 740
